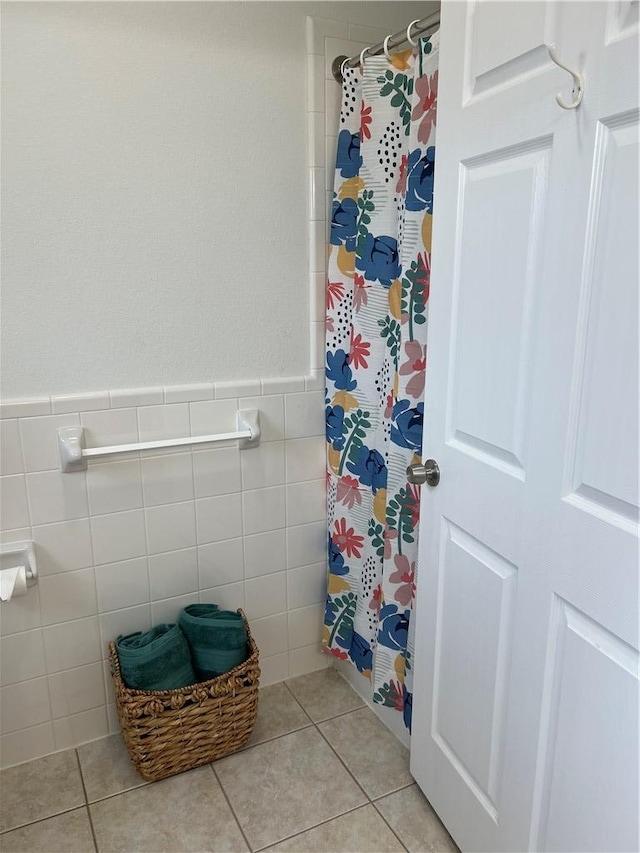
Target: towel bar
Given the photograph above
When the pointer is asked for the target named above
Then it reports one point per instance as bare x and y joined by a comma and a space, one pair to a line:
74, 455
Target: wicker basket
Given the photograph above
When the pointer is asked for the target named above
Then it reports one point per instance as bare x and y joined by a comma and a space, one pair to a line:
169, 731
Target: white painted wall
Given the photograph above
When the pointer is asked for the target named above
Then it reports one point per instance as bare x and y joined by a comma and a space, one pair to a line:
155, 191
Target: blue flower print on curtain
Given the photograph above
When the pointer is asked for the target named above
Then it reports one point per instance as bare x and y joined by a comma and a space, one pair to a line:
344, 224
339, 372
394, 627
370, 469
336, 560
406, 427
348, 159
420, 180
335, 420
360, 653
376, 355
378, 259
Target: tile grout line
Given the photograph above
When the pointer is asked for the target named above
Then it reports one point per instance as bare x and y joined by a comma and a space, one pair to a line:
299, 704
395, 791
228, 801
86, 800
341, 714
371, 801
333, 716
341, 760
311, 724
144, 784
309, 828
271, 739
404, 788
386, 822
42, 819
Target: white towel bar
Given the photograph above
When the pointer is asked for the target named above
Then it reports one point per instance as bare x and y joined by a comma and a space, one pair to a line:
74, 455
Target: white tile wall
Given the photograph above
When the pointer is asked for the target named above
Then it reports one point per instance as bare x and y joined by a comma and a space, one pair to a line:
72, 644
219, 518
122, 584
22, 657
173, 573
24, 704
263, 509
54, 496
10, 450
140, 535
13, 501
119, 536
167, 479
136, 537
220, 563
264, 553
170, 527
39, 441
217, 471
64, 547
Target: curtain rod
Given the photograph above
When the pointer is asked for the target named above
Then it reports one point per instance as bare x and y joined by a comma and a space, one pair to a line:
399, 39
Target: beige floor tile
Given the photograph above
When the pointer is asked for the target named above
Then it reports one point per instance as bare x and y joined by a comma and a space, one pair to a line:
107, 768
324, 694
360, 831
40, 789
376, 758
285, 786
414, 821
65, 833
185, 813
278, 714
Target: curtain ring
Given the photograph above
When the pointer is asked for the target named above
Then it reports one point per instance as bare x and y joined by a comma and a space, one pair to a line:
409, 39
362, 53
343, 66
385, 48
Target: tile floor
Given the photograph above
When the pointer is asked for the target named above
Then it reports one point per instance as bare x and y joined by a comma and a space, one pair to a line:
320, 773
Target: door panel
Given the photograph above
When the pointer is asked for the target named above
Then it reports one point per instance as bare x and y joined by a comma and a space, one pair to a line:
501, 193
604, 392
525, 708
474, 619
579, 751
622, 19
495, 61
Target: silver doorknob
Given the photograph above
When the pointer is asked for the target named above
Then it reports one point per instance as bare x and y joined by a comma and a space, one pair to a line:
428, 473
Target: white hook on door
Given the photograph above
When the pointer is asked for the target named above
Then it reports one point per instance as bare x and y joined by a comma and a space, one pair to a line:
578, 82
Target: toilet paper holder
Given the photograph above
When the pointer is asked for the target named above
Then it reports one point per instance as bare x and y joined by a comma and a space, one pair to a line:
14, 554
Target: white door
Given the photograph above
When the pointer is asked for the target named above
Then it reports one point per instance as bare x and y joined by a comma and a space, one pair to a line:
525, 720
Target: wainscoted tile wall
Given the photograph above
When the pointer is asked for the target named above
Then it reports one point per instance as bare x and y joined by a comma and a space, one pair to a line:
133, 539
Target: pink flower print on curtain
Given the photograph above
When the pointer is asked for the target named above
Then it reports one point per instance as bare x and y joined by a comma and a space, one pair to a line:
377, 298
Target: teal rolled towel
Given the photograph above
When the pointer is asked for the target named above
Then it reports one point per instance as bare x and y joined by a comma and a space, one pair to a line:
217, 639
158, 659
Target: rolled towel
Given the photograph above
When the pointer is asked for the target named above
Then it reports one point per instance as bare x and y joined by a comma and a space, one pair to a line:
217, 639
158, 659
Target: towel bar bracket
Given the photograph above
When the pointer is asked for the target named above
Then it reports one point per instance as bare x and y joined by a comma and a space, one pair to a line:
74, 453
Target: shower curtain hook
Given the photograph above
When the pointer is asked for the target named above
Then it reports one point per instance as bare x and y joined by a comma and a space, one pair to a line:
343, 66
362, 53
409, 39
385, 48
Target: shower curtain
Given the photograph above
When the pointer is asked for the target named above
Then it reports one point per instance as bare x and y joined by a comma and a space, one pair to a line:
377, 301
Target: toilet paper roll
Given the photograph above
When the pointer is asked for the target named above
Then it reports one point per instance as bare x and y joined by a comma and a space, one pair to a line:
13, 582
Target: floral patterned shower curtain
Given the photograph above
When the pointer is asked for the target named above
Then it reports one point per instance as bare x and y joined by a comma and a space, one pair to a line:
377, 301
